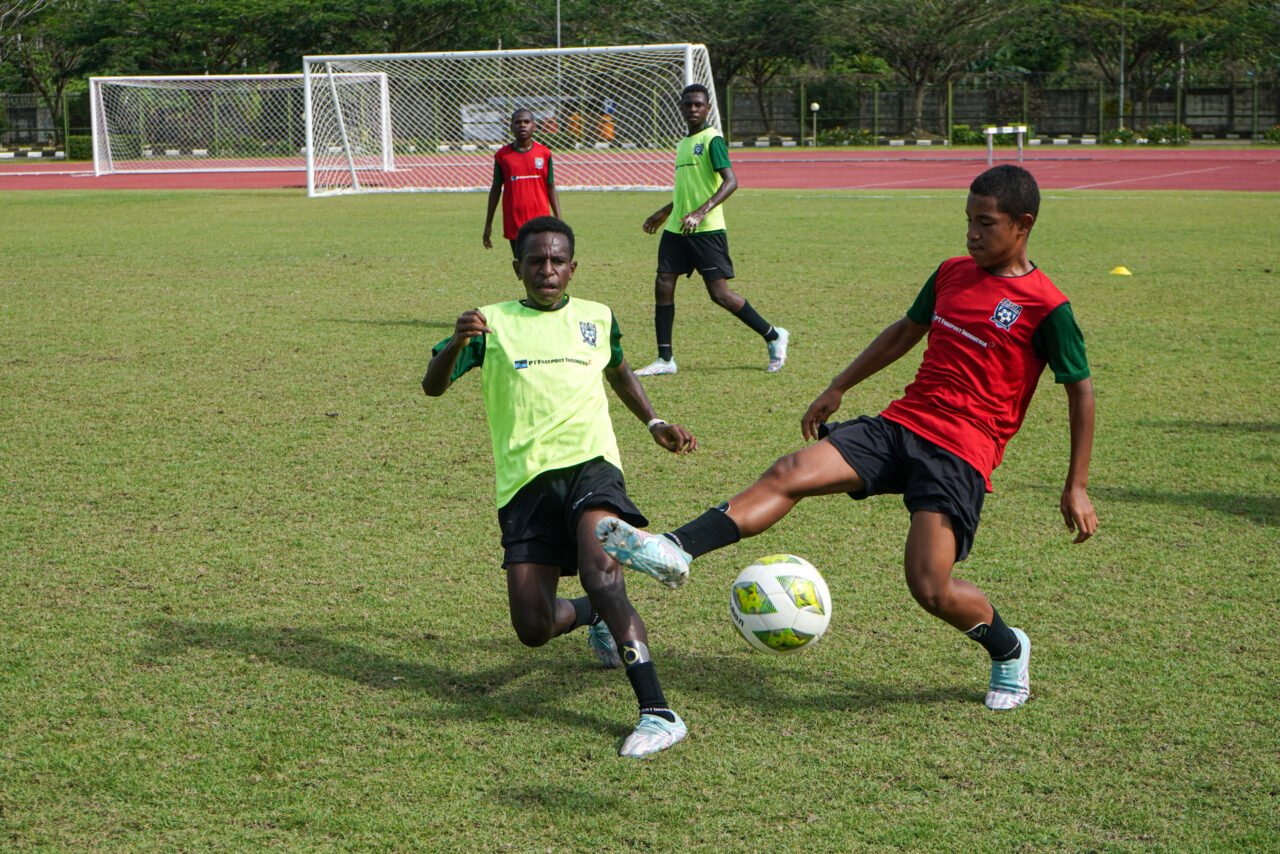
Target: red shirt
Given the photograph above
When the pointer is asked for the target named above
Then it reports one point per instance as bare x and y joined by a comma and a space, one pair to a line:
980, 368
525, 177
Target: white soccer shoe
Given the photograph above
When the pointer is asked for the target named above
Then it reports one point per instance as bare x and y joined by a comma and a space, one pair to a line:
657, 368
778, 350
652, 734
1011, 680
651, 554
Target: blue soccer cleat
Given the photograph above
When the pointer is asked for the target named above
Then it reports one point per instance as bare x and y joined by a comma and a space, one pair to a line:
1011, 680
652, 734
601, 641
651, 554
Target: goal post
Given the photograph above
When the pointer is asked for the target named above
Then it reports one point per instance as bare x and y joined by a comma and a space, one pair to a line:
215, 123
609, 115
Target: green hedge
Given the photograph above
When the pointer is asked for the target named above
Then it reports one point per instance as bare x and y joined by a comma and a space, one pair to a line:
79, 147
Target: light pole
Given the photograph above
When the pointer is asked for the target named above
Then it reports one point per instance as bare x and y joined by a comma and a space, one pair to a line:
814, 106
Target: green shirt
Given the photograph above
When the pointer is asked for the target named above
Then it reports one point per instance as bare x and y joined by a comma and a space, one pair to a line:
699, 159
540, 374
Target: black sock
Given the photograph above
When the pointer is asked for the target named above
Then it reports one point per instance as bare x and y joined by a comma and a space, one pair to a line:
583, 613
758, 324
710, 531
664, 321
644, 681
997, 638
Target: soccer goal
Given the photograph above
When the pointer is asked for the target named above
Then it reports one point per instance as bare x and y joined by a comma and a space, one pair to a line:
609, 115
224, 123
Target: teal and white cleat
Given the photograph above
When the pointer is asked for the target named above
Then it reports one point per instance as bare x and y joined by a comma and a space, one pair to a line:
778, 350
651, 554
601, 641
657, 368
652, 734
1011, 680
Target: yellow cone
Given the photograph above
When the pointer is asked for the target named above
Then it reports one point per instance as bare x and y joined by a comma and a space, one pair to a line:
1121, 271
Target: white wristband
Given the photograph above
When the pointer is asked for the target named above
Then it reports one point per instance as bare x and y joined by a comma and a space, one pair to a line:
654, 422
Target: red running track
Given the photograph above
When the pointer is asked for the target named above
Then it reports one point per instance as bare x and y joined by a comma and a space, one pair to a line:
1057, 168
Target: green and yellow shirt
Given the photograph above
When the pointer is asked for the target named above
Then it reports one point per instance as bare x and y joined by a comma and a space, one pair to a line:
699, 159
540, 374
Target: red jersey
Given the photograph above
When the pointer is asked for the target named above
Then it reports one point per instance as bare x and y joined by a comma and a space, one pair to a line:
988, 344
525, 178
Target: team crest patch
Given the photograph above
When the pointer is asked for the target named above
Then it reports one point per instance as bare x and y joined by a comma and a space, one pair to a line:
1006, 314
588, 333
537, 163
698, 149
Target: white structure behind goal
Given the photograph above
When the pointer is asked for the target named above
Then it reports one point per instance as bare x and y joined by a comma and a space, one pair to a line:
610, 116
223, 123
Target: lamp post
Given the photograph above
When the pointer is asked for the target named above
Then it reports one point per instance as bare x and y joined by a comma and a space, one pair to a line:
814, 106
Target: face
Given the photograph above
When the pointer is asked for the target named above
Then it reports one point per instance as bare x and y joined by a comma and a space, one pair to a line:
545, 267
694, 107
522, 126
994, 239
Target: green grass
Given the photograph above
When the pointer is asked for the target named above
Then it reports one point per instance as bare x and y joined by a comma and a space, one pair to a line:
249, 575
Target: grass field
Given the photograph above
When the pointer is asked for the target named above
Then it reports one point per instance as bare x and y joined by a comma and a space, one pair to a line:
249, 575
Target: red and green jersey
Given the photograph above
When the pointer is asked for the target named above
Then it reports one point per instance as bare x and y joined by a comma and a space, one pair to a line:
989, 340
525, 177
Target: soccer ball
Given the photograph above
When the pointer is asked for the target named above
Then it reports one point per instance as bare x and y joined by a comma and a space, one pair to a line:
780, 604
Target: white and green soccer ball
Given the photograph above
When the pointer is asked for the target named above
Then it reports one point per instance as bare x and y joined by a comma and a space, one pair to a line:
780, 604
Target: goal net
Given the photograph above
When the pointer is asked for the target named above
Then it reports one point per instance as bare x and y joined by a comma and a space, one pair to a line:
222, 123
609, 115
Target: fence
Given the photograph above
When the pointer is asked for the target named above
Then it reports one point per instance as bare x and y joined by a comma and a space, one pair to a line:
1241, 109
1245, 110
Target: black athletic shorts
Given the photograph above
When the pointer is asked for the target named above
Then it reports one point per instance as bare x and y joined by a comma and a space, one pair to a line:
891, 460
707, 253
540, 523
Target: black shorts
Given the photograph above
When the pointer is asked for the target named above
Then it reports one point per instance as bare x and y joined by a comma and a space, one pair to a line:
891, 459
540, 523
707, 253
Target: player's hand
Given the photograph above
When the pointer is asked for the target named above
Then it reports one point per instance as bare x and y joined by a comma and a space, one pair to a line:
822, 408
674, 438
655, 221
1078, 513
488, 242
470, 324
691, 221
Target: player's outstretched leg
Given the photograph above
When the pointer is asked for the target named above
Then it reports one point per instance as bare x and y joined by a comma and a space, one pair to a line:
652, 734
651, 554
1011, 680
601, 642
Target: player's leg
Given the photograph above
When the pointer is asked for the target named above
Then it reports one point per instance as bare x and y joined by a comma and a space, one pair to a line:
537, 614
603, 580
712, 258
673, 262
819, 469
930, 558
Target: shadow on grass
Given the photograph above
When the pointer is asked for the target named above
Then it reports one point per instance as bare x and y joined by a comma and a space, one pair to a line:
481, 694
1182, 424
1258, 509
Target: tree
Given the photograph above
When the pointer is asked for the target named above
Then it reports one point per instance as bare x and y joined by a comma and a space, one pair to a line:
928, 43
48, 47
12, 14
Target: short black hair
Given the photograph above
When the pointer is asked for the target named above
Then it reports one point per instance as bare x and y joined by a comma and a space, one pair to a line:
518, 110
540, 225
1014, 189
696, 87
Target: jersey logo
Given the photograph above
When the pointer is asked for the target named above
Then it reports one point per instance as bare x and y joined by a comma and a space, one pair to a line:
588, 333
521, 364
697, 149
1006, 314
537, 163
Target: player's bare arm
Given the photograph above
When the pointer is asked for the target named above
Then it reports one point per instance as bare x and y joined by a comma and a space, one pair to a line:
437, 380
729, 183
626, 385
495, 195
554, 198
657, 218
894, 341
1077, 509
